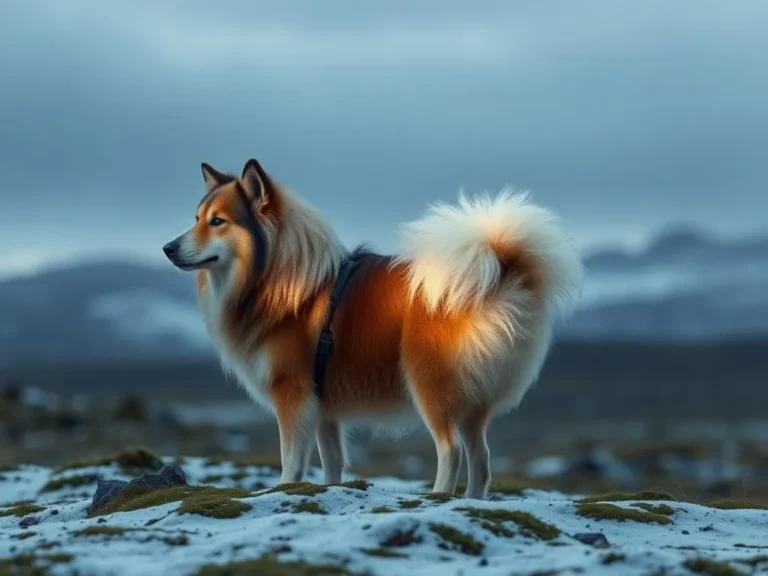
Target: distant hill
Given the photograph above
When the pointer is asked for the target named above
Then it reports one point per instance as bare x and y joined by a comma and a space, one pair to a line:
684, 287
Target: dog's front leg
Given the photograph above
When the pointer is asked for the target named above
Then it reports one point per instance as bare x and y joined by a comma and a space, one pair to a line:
297, 421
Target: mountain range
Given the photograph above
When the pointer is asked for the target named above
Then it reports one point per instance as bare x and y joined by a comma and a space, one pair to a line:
685, 286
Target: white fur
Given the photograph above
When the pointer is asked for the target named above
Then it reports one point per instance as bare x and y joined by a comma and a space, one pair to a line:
450, 253
452, 265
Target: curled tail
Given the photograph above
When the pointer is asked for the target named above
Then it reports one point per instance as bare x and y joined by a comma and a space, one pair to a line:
461, 256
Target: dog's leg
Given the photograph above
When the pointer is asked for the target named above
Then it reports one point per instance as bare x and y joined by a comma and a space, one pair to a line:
296, 425
437, 414
330, 445
472, 431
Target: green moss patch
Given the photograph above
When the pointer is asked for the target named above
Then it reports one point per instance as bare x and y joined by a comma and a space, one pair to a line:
21, 509
131, 460
24, 535
711, 567
358, 484
101, 530
623, 496
737, 505
382, 552
238, 461
381, 510
453, 539
298, 489
409, 504
441, 497
528, 523
203, 500
601, 511
612, 558
309, 506
655, 508
31, 564
269, 566
69, 482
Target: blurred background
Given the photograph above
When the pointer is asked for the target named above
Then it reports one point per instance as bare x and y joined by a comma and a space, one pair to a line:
642, 124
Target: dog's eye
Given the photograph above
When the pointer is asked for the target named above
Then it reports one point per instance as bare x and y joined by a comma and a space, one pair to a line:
216, 222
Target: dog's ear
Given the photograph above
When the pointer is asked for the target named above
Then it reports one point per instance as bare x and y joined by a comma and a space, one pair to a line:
255, 181
212, 177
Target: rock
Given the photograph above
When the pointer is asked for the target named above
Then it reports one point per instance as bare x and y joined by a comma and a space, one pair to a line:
594, 539
108, 490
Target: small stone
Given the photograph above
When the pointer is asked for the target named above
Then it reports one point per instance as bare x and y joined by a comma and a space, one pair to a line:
595, 539
686, 532
29, 521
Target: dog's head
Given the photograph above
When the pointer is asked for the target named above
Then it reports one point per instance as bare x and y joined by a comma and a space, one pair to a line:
231, 222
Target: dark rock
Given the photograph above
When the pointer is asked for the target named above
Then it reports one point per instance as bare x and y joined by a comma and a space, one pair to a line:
106, 491
28, 521
595, 539
167, 477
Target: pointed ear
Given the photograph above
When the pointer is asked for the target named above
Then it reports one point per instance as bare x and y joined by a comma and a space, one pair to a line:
255, 181
212, 177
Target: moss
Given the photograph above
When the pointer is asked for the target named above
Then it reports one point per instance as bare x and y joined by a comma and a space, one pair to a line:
612, 558
21, 509
383, 552
381, 510
8, 468
31, 564
69, 481
215, 504
453, 539
358, 484
528, 523
408, 504
256, 460
203, 500
755, 561
298, 489
655, 508
711, 567
496, 529
24, 535
613, 512
622, 496
101, 530
737, 505
441, 497
309, 506
131, 460
269, 566
211, 479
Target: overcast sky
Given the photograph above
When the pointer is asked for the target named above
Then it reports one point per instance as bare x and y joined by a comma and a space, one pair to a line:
620, 115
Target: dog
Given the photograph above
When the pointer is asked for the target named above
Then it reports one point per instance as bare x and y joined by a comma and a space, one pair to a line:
454, 328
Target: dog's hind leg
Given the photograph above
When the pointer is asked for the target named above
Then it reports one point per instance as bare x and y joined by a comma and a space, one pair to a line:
331, 447
296, 420
472, 429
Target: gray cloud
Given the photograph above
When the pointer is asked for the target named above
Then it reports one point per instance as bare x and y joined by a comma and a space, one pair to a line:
621, 116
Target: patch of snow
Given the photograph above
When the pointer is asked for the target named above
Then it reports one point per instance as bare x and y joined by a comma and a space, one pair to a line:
160, 541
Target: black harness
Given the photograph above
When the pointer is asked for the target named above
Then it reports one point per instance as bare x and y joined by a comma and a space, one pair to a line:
325, 342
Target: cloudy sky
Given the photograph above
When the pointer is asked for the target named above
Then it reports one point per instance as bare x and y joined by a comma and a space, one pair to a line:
620, 115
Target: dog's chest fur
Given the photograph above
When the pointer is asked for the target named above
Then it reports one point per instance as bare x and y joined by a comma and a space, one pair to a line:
251, 373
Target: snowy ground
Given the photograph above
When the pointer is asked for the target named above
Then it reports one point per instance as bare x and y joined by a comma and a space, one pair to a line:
388, 527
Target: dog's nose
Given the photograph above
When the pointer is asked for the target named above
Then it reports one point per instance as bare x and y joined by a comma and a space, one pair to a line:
171, 248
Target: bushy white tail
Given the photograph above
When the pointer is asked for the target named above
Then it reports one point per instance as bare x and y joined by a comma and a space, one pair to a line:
453, 252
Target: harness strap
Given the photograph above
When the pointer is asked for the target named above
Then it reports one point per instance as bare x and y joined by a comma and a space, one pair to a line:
325, 342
